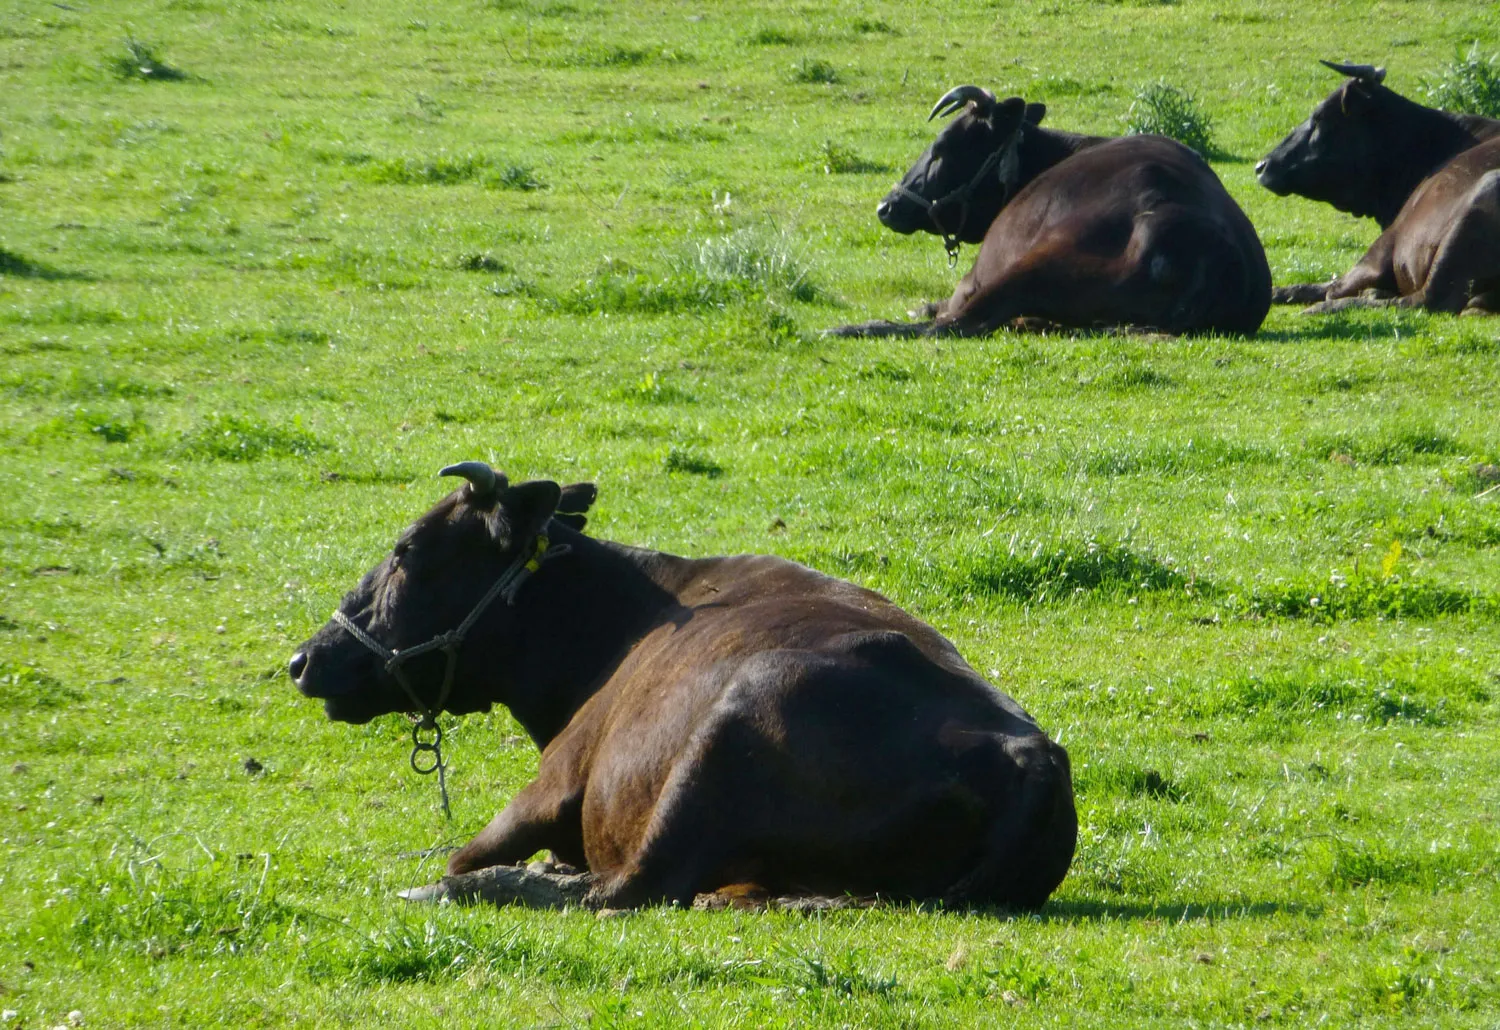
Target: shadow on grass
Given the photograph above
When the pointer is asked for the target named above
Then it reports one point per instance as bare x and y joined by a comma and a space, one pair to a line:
1106, 912
16, 265
1334, 327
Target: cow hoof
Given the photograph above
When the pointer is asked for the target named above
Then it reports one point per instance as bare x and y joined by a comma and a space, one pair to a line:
613, 913
1299, 293
427, 893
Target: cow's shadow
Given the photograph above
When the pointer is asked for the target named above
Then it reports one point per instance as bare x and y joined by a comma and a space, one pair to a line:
1337, 327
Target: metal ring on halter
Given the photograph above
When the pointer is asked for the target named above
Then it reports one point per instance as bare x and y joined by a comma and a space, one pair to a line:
420, 746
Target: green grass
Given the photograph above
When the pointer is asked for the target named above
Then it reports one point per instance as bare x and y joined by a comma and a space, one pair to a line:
245, 315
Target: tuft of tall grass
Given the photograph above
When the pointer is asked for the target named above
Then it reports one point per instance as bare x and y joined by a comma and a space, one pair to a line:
711, 274
1470, 84
772, 35
815, 70
1362, 596
1048, 572
27, 687
516, 177
139, 903
139, 61
681, 460
1394, 446
439, 171
765, 261
839, 159
242, 438
1166, 110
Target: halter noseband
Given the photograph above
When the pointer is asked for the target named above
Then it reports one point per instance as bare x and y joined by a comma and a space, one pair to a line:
1005, 156
506, 586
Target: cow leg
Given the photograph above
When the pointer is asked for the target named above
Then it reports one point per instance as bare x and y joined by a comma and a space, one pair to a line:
1300, 293
1375, 274
1329, 307
541, 816
1483, 304
881, 328
686, 840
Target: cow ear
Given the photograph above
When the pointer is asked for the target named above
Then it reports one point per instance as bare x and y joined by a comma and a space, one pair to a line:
1011, 109
1035, 113
528, 506
575, 501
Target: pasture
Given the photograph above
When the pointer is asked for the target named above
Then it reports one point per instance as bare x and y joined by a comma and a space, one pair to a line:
266, 266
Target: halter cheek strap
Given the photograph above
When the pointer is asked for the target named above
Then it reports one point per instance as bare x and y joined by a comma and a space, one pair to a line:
506, 586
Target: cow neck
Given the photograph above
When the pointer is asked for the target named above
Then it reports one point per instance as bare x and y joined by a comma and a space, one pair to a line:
1038, 151
576, 623
1042, 148
1430, 138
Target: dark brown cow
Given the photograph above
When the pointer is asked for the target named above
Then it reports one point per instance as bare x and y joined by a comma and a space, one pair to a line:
1430, 178
1076, 230
703, 722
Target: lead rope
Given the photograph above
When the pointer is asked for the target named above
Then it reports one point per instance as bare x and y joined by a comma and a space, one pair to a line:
506, 586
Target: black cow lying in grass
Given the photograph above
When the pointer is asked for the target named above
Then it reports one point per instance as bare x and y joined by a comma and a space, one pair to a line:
1076, 230
1430, 178
703, 722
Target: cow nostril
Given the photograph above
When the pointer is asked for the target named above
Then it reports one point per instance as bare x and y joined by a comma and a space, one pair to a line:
1260, 167
298, 665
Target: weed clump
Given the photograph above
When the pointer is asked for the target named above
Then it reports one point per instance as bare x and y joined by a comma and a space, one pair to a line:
27, 687
481, 263
815, 70
679, 460
1346, 694
838, 159
143, 905
139, 61
238, 438
1165, 110
516, 177
1360, 597
437, 171
1051, 572
1396, 446
714, 273
754, 260
1469, 84
771, 35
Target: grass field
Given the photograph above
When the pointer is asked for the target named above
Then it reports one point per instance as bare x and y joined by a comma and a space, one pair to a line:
266, 266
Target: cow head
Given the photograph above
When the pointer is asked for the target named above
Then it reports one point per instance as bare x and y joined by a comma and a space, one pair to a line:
438, 573
1335, 154
961, 182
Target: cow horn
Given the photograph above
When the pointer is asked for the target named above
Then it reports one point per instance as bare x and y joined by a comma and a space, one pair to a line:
958, 96
1366, 73
482, 479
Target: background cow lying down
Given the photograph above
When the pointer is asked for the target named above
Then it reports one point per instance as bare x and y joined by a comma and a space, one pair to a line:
1076, 230
1430, 178
703, 722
